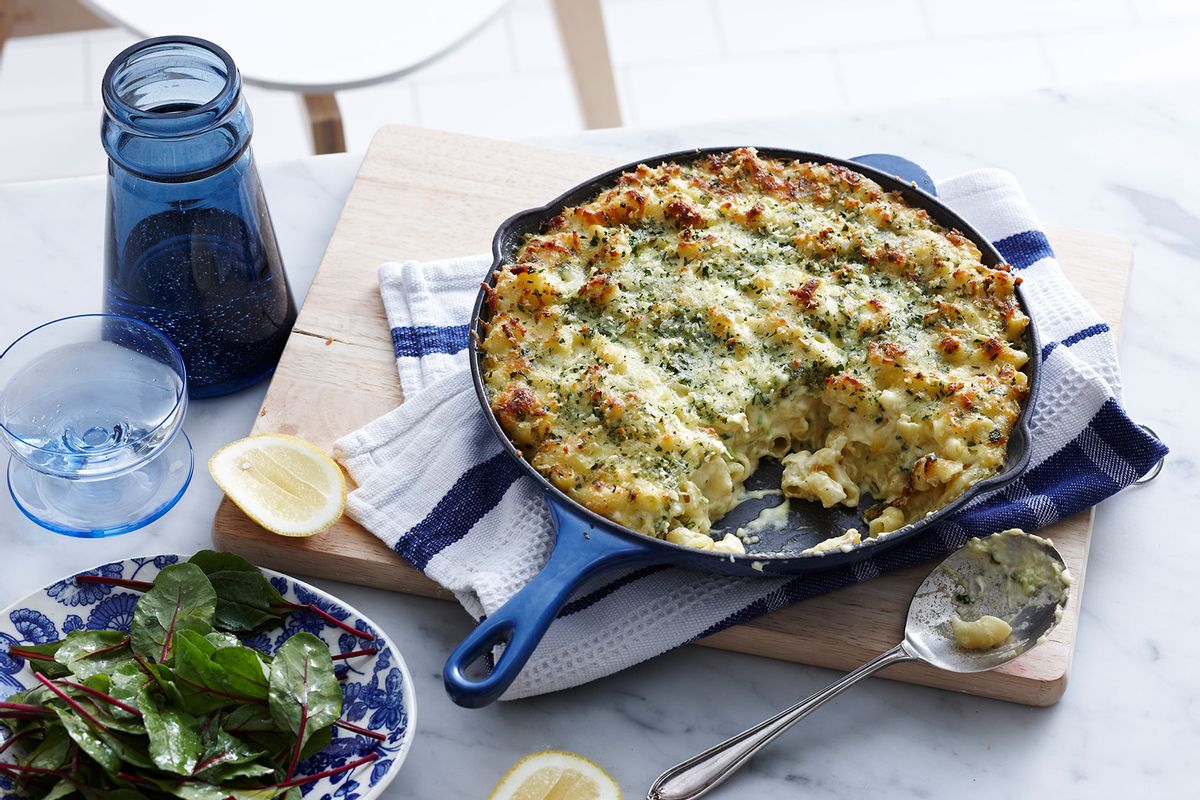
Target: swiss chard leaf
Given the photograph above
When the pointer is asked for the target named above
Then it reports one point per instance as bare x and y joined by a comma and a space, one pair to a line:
305, 696
317, 742
199, 790
223, 676
226, 757
211, 561
280, 746
90, 653
249, 718
52, 751
63, 788
126, 683
246, 600
218, 639
174, 736
164, 678
89, 740
133, 750
182, 599
110, 716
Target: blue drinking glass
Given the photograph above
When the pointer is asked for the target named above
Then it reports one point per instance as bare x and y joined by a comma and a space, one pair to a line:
190, 246
92, 408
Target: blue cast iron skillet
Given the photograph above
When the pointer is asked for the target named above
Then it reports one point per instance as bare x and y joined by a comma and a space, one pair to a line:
588, 544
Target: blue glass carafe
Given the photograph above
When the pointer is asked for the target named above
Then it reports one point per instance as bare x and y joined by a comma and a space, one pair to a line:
190, 245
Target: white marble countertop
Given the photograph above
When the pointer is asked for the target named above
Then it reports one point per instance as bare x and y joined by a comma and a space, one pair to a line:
1130, 719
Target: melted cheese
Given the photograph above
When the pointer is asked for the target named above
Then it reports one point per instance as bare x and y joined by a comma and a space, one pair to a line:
980, 634
649, 347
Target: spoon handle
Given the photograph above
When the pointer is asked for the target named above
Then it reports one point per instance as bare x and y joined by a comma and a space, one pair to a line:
700, 773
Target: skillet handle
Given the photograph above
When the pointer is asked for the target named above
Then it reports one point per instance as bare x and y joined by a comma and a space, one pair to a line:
581, 550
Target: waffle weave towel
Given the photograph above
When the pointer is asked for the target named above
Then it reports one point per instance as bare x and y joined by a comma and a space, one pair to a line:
434, 484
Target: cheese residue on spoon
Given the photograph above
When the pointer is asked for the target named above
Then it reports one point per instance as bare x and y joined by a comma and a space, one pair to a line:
1011, 577
981, 634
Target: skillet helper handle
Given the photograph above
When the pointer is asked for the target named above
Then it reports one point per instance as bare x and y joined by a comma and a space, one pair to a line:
580, 551
902, 168
702, 773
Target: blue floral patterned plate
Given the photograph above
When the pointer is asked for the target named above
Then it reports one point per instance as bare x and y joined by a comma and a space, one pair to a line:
378, 689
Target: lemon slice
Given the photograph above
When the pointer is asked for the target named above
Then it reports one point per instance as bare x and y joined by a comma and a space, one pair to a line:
556, 775
284, 483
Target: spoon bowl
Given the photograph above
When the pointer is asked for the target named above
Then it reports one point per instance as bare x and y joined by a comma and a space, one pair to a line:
976, 580
1018, 578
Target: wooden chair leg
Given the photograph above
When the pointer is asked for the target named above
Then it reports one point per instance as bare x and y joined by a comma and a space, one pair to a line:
325, 119
581, 26
38, 17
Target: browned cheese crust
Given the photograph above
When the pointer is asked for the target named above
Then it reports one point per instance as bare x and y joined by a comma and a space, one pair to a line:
650, 346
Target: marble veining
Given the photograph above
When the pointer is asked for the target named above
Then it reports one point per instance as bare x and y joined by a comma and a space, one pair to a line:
1120, 163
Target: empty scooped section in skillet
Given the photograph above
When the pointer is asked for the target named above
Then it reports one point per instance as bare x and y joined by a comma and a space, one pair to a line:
671, 305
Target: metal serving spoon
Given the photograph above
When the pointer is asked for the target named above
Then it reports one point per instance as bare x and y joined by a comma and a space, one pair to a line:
1013, 576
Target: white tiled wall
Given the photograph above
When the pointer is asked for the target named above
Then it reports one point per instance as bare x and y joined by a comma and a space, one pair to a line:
676, 61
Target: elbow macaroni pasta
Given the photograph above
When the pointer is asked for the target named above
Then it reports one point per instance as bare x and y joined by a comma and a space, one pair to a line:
649, 347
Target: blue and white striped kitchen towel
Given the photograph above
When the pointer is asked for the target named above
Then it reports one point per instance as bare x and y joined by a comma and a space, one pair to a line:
434, 484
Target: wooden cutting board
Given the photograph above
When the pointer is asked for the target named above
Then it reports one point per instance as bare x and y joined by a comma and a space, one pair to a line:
424, 194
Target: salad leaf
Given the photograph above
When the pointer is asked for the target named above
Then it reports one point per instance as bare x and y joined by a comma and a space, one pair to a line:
220, 639
89, 740
226, 757
181, 599
210, 561
89, 653
249, 718
174, 736
318, 742
52, 752
164, 678
224, 676
64, 788
127, 681
198, 790
304, 693
246, 600
107, 715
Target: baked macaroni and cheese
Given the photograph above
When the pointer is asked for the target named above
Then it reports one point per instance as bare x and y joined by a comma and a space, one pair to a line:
650, 346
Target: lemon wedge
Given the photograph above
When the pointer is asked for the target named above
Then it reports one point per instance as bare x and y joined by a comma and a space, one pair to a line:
556, 775
284, 483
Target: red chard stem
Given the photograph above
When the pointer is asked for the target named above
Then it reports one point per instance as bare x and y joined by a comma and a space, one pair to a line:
58, 773
141, 586
112, 701
25, 709
29, 655
137, 780
370, 651
10, 741
327, 773
83, 712
332, 620
381, 737
299, 741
